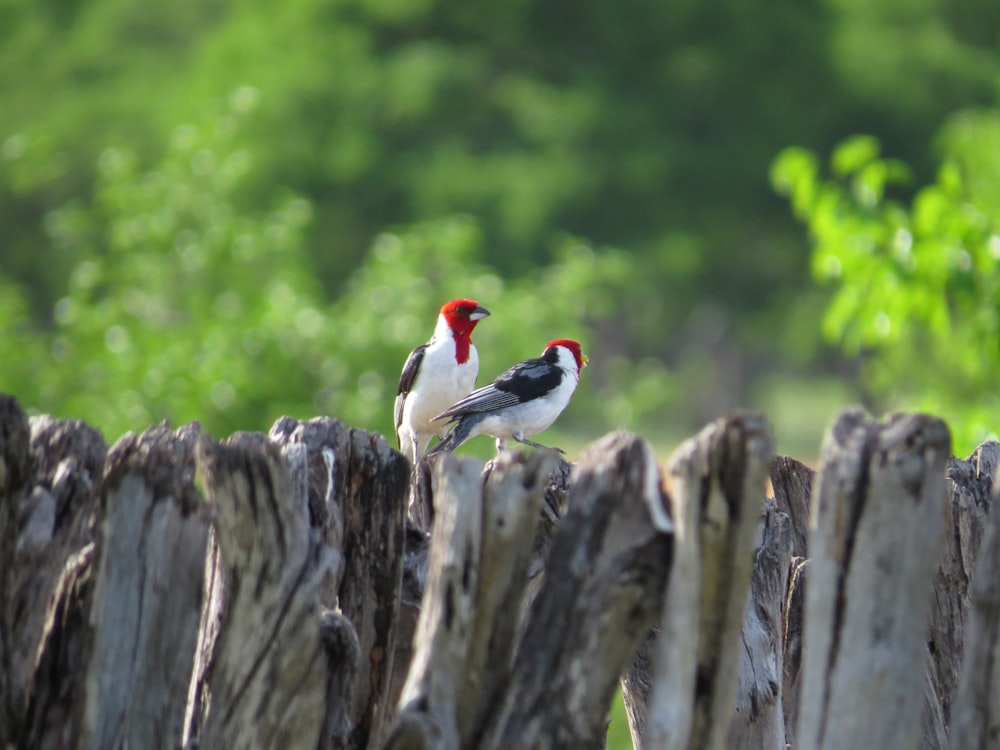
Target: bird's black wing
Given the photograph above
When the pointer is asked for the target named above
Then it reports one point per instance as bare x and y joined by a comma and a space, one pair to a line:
525, 381
406, 379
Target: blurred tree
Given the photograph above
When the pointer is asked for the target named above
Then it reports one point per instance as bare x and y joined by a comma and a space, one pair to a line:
183, 306
649, 126
179, 306
918, 285
646, 126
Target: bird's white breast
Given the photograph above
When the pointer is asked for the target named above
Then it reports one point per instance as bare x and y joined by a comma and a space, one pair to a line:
531, 417
440, 382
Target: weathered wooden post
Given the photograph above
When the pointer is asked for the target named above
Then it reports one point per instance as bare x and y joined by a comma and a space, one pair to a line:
968, 486
758, 721
792, 482
148, 574
362, 483
260, 592
975, 718
603, 589
14, 477
48, 601
875, 544
718, 488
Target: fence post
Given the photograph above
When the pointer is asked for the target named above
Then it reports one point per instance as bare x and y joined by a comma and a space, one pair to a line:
875, 545
147, 592
975, 723
602, 590
718, 489
52, 580
14, 478
267, 676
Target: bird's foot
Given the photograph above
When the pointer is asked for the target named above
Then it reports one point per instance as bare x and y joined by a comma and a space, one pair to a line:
533, 444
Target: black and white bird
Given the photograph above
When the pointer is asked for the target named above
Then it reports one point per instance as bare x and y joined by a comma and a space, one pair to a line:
523, 401
436, 375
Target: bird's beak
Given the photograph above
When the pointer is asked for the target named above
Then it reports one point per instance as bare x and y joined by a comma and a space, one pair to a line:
479, 313
585, 359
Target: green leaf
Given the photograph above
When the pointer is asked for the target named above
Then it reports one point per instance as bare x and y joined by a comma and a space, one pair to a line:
854, 153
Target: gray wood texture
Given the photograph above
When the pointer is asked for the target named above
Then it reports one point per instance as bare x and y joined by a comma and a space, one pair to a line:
717, 492
975, 715
308, 589
50, 582
267, 681
603, 589
150, 554
875, 545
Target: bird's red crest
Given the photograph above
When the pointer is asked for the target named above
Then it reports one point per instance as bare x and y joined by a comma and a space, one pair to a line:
462, 316
574, 347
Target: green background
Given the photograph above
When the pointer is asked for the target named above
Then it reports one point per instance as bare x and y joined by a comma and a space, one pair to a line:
229, 211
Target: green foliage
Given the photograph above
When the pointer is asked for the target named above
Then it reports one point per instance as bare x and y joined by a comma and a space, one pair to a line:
917, 285
184, 306
643, 126
22, 349
180, 306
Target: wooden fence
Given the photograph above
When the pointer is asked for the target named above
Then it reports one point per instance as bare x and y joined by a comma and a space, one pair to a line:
298, 590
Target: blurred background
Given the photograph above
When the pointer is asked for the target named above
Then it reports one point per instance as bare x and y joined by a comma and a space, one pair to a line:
230, 211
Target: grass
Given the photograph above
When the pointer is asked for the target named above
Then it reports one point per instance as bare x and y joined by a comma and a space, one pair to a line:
619, 737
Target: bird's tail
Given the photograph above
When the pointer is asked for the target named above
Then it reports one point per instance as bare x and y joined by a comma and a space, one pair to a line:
461, 433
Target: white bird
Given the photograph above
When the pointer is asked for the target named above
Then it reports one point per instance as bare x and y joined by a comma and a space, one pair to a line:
436, 375
522, 401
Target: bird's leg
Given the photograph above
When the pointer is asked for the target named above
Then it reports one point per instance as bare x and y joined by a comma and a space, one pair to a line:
521, 439
501, 444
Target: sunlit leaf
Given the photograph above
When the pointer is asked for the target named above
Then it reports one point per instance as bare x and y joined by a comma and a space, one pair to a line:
854, 153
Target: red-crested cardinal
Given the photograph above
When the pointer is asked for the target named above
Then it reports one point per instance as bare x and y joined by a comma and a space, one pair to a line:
436, 375
522, 401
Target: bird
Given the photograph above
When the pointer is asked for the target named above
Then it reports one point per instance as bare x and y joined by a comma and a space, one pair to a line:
524, 400
437, 374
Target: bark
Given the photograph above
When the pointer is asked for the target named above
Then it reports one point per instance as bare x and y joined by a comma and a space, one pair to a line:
50, 581
266, 682
429, 701
512, 498
416, 561
718, 480
147, 592
210, 623
343, 656
637, 682
555, 504
875, 547
420, 510
54, 714
968, 486
527, 585
14, 478
326, 440
758, 721
976, 716
792, 648
363, 484
602, 591
792, 482
57, 519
